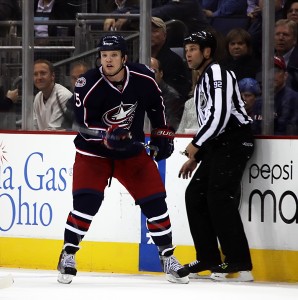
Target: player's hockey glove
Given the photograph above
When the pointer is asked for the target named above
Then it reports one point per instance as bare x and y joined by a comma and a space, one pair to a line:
161, 143
118, 138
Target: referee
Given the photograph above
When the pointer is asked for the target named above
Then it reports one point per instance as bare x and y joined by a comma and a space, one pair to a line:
223, 144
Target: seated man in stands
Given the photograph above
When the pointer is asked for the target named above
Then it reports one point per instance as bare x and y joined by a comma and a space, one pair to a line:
256, 28
54, 10
123, 7
285, 40
173, 101
222, 8
285, 103
49, 103
9, 10
76, 69
189, 120
7, 101
187, 11
175, 72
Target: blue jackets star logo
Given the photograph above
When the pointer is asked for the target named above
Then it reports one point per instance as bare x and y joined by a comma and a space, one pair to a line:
121, 115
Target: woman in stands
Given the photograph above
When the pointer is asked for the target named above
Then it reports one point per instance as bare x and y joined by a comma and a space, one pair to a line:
240, 54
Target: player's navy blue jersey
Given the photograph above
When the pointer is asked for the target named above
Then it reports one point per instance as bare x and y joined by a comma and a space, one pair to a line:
100, 104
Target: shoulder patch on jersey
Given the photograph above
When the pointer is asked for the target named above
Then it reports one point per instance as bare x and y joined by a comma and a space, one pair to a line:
80, 82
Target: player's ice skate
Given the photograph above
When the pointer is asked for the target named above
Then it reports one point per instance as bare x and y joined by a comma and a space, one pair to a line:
66, 267
175, 272
232, 273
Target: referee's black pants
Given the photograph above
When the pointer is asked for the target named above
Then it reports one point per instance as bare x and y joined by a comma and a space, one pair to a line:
211, 199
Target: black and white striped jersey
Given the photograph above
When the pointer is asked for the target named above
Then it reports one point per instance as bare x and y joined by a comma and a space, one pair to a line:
218, 103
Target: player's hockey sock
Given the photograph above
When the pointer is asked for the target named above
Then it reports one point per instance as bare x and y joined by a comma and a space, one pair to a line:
86, 205
158, 222
77, 225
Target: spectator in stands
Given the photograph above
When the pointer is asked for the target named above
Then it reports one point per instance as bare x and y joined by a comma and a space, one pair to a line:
187, 11
250, 90
49, 103
175, 72
285, 39
54, 10
255, 29
240, 54
252, 7
105, 6
123, 7
285, 103
290, 10
7, 101
189, 120
9, 10
221, 8
173, 101
76, 70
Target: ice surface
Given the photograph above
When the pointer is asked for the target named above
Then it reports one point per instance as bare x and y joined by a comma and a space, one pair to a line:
43, 285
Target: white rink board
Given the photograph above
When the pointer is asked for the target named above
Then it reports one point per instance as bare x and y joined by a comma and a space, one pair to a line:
272, 174
35, 193
35, 167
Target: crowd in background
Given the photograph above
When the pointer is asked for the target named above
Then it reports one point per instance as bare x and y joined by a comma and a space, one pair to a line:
239, 50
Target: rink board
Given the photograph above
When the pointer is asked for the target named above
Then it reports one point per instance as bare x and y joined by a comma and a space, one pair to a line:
35, 198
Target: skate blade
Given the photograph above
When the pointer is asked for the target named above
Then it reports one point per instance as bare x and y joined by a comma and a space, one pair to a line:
199, 276
173, 279
241, 276
6, 281
65, 278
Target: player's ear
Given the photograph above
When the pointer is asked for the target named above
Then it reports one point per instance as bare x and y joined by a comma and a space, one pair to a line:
125, 59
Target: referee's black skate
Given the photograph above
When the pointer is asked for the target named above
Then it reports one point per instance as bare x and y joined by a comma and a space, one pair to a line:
232, 272
66, 267
175, 272
196, 267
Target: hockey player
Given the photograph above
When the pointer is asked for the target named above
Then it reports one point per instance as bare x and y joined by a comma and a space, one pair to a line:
222, 145
112, 100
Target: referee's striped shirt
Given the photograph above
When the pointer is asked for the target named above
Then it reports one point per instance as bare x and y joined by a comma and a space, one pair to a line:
217, 99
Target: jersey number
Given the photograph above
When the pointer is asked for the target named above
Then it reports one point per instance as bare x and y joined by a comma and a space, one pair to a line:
78, 101
217, 84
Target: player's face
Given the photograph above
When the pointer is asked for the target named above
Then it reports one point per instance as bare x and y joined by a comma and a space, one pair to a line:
193, 55
42, 77
111, 61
